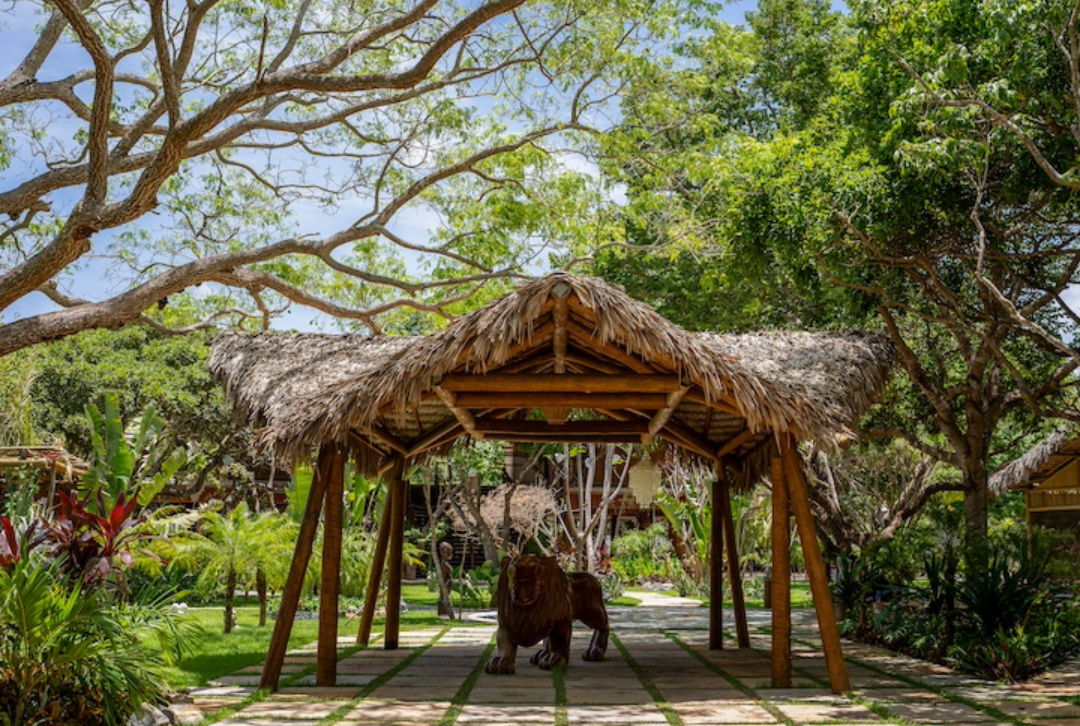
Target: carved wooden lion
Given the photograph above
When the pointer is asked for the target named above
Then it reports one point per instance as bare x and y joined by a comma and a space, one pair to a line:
537, 601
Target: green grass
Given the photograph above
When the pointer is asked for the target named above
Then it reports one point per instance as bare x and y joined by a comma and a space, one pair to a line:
419, 594
625, 600
800, 598
214, 654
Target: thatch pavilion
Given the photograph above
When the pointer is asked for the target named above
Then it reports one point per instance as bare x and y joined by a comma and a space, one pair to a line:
1049, 477
560, 359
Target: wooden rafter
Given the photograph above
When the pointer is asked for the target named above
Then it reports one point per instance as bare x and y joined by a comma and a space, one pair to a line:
593, 363
555, 383
497, 429
733, 444
461, 413
435, 436
585, 338
663, 415
724, 403
560, 316
558, 399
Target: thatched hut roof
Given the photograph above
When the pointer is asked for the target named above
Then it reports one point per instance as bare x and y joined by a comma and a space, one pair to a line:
304, 389
1038, 464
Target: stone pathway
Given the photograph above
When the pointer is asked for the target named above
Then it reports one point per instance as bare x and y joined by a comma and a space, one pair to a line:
658, 671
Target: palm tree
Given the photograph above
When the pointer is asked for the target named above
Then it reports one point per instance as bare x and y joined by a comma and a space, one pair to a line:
227, 547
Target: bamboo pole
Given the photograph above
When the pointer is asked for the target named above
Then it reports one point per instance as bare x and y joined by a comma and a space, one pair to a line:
290, 595
396, 545
326, 660
378, 560
815, 568
716, 571
742, 629
781, 580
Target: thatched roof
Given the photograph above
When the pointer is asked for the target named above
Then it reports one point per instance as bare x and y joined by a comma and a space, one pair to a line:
1038, 464
304, 389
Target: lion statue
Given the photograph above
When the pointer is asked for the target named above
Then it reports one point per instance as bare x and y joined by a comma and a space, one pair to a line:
538, 601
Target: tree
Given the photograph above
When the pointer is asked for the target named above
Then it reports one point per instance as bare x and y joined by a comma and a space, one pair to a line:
212, 127
884, 205
233, 548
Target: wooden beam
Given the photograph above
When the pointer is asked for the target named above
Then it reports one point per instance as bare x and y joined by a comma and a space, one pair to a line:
464, 417
742, 629
781, 579
540, 428
815, 567
434, 437
560, 316
593, 438
378, 559
380, 434
326, 659
585, 337
735, 442
593, 363
290, 595
646, 401
396, 547
663, 415
686, 437
725, 405
716, 574
556, 383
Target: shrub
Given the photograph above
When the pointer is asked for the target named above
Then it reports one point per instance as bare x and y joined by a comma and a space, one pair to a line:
69, 655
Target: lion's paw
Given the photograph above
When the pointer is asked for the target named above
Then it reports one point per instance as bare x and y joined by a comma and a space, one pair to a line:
549, 661
593, 654
538, 656
499, 665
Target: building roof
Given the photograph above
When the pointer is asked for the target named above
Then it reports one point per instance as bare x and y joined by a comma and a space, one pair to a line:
556, 344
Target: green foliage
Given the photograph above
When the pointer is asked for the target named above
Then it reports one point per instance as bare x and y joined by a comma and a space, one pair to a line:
72, 655
644, 555
132, 463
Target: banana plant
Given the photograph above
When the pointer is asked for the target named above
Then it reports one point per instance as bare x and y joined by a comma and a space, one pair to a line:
133, 463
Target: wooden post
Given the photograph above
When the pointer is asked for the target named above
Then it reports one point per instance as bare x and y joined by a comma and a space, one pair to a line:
716, 571
378, 560
815, 567
781, 580
396, 544
290, 595
734, 571
326, 661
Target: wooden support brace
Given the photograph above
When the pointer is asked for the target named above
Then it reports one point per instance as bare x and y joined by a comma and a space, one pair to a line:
781, 579
716, 575
742, 629
396, 545
815, 567
326, 660
290, 595
464, 417
378, 560
661, 417
734, 443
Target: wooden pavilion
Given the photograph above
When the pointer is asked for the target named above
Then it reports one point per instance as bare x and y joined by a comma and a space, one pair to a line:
1049, 477
560, 359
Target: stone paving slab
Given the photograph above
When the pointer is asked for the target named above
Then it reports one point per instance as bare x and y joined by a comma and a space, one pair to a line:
382, 712
271, 722
612, 715
288, 709
1037, 709
827, 712
694, 713
475, 713
950, 713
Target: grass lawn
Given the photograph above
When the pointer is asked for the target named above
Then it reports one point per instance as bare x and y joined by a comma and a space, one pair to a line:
800, 597
214, 654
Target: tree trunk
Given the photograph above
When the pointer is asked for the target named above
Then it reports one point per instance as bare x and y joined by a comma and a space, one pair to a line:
976, 515
260, 588
230, 595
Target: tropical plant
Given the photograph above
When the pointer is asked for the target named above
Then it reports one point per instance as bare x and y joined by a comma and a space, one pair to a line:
126, 463
232, 549
69, 655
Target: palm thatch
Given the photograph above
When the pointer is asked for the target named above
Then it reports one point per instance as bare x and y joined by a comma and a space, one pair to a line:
306, 389
1037, 464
